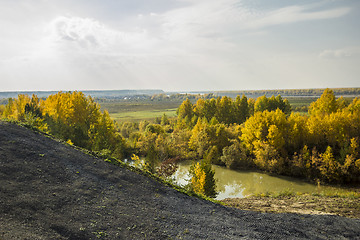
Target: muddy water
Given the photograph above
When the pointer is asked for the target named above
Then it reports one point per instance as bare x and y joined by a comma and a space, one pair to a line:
239, 184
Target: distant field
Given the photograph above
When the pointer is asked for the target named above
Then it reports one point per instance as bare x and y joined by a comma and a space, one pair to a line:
301, 104
301, 101
142, 110
142, 115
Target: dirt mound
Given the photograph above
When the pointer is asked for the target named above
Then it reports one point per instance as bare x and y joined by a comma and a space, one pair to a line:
49, 190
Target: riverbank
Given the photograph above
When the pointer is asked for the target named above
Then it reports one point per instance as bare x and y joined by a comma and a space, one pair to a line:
242, 183
301, 204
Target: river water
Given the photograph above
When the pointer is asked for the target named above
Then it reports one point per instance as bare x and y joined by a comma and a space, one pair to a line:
239, 184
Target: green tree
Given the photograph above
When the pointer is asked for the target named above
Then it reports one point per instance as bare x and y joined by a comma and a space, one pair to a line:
234, 156
261, 104
151, 158
282, 104
251, 105
164, 120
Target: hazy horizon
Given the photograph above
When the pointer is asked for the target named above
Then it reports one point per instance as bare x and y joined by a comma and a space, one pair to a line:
179, 45
175, 91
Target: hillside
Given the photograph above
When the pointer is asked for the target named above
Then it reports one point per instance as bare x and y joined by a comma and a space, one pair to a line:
49, 190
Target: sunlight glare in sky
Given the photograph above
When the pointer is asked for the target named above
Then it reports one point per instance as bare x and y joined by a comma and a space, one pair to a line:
179, 45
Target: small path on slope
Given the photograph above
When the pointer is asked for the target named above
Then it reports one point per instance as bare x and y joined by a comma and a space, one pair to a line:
49, 190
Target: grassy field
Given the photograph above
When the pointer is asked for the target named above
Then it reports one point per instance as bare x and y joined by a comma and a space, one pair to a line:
301, 101
142, 115
122, 111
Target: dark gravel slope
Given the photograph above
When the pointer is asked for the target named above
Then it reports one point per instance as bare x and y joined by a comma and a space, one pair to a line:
52, 191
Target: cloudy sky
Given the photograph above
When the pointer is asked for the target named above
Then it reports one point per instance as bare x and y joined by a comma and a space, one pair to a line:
179, 45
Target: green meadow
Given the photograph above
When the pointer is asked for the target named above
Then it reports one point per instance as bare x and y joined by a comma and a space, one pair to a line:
122, 111
131, 116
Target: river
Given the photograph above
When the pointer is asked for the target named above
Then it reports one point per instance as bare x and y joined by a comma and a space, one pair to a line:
239, 184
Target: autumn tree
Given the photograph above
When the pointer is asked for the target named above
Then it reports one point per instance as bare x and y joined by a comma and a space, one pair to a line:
185, 114
2, 109
271, 104
235, 156
206, 135
261, 104
15, 109
27, 110
200, 108
297, 136
326, 104
202, 179
200, 139
164, 120
264, 135
241, 109
224, 110
329, 166
351, 165
354, 106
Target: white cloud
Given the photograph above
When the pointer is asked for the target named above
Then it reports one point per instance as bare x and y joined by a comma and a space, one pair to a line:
340, 53
90, 34
213, 18
82, 31
293, 14
199, 44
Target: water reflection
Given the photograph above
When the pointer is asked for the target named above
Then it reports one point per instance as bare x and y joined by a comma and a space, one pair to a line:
232, 184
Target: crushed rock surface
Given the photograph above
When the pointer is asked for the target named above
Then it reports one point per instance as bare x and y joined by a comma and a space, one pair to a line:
49, 190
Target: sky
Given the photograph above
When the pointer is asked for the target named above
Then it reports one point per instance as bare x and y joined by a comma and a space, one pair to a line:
179, 45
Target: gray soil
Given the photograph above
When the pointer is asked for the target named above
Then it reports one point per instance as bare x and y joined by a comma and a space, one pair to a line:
49, 190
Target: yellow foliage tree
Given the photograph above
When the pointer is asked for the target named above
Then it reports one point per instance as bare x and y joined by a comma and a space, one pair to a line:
326, 104
198, 179
202, 178
70, 116
2, 109
15, 109
329, 167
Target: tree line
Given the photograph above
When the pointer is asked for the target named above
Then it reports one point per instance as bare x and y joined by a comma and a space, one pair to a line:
291, 92
238, 133
264, 134
72, 117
